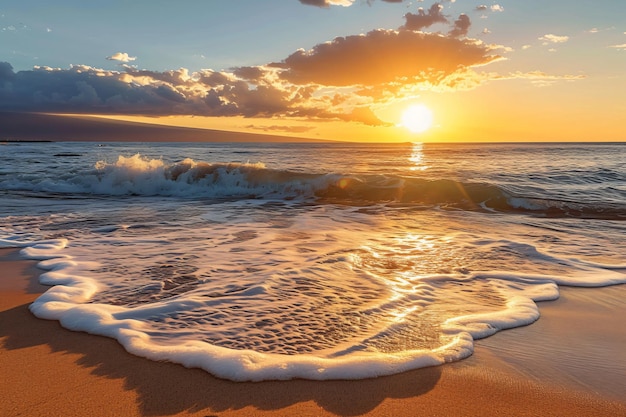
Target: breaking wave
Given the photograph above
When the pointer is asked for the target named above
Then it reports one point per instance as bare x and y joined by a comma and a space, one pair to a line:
140, 176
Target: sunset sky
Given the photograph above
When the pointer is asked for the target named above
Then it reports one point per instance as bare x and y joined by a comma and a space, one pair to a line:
330, 69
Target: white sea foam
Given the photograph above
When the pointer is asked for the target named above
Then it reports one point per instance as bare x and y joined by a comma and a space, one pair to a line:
312, 265
313, 294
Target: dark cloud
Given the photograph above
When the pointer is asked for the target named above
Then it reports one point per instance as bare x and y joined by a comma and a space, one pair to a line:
326, 3
81, 89
317, 3
232, 96
249, 73
175, 77
461, 26
6, 72
424, 19
170, 93
382, 56
84, 89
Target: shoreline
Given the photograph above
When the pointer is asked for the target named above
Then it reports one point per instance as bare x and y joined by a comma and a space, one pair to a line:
569, 362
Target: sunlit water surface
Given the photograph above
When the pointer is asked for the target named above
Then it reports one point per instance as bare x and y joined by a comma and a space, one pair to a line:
321, 261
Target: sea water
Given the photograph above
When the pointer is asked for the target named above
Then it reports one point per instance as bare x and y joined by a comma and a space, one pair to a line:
319, 261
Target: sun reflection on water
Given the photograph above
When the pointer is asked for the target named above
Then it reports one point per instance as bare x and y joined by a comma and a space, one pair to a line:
417, 157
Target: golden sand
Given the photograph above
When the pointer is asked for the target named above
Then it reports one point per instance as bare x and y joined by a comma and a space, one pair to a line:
539, 370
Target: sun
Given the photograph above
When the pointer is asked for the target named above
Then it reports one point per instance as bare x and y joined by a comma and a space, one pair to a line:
417, 118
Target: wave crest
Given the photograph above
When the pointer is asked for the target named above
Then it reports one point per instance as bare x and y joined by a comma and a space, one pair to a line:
141, 176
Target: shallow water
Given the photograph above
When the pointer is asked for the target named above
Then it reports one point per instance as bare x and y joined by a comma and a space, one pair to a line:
276, 261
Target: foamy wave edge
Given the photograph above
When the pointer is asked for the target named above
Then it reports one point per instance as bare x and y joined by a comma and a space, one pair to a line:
70, 289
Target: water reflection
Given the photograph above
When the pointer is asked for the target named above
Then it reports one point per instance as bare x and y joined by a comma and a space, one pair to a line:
417, 157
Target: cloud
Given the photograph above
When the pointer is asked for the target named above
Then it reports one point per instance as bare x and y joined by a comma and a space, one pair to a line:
424, 19
536, 78
83, 89
280, 128
363, 115
551, 38
121, 57
493, 8
80, 89
541, 75
622, 46
471, 79
345, 3
340, 80
461, 26
383, 56
327, 3
6, 72
249, 73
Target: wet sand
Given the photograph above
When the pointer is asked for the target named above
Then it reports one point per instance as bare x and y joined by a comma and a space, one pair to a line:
572, 362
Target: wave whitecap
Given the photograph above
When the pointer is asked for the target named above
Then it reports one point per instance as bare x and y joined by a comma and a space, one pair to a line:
141, 176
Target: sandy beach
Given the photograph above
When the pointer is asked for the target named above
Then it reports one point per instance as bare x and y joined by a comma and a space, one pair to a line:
571, 362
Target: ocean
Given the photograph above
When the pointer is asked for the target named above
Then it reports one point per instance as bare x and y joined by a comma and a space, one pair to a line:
274, 261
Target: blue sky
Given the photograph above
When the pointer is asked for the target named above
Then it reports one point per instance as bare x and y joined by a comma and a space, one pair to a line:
168, 35
222, 34
544, 49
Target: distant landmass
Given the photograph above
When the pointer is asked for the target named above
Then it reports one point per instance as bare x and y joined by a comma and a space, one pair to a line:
39, 127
